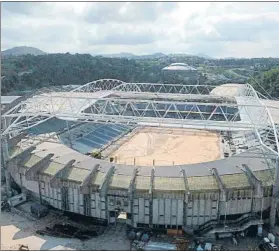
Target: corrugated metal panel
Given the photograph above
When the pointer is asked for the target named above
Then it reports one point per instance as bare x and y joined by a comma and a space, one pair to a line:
30, 185
93, 205
179, 217
202, 183
142, 183
167, 184
167, 211
266, 176
173, 212
120, 181
98, 205
59, 198
214, 209
189, 221
32, 160
136, 206
208, 207
235, 180
162, 211
141, 210
76, 174
47, 192
99, 178
103, 214
71, 199
51, 196
195, 208
81, 203
43, 192
52, 168
195, 220
136, 218
155, 211
55, 202
202, 207
76, 201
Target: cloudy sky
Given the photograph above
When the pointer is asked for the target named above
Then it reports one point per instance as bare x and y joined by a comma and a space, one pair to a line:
216, 29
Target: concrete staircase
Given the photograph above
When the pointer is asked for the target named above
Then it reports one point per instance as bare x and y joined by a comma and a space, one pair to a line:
240, 224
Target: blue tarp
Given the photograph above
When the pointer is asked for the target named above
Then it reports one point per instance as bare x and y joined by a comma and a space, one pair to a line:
159, 246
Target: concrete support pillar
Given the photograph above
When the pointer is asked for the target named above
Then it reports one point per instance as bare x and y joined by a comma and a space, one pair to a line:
8, 183
275, 191
5, 159
223, 192
151, 187
131, 191
186, 197
272, 215
106, 182
5, 150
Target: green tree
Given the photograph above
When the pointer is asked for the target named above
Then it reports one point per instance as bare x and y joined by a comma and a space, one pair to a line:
267, 83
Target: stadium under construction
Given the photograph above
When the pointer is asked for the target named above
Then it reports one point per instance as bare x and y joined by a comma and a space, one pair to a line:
194, 157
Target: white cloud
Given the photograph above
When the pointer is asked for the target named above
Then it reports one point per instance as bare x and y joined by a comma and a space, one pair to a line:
217, 29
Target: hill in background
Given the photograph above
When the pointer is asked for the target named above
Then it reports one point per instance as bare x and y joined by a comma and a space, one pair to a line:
30, 72
152, 56
22, 50
133, 56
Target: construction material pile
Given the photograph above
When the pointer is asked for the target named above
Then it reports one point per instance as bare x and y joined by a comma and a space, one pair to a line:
182, 244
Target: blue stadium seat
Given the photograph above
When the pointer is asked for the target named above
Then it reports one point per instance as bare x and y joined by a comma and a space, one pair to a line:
93, 137
89, 143
86, 137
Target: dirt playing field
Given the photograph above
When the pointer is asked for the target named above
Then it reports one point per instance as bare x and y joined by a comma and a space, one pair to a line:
169, 146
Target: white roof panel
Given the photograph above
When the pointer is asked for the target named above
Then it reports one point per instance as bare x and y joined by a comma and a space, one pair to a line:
8, 99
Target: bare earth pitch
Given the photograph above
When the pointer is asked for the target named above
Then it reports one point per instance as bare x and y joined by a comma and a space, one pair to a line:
169, 146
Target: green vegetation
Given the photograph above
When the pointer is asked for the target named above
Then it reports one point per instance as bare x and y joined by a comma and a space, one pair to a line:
29, 73
96, 154
267, 82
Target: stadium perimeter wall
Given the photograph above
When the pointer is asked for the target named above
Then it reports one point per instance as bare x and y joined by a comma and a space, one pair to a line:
165, 202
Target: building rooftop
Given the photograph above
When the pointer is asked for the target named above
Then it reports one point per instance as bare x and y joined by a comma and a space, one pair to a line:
179, 67
167, 179
8, 99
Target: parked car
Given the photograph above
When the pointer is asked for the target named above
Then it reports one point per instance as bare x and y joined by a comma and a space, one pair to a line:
268, 246
272, 246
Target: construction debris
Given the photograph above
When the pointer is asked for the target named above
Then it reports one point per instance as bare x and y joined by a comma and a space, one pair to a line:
182, 244
68, 231
23, 248
38, 210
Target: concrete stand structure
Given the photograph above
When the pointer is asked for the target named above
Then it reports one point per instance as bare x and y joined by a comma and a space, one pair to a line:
229, 194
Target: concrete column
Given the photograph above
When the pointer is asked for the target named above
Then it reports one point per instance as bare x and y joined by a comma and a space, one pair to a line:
131, 193
6, 157
151, 187
5, 150
8, 183
186, 197
275, 191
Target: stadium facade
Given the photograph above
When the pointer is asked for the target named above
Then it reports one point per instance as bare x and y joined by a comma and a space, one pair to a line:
49, 136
